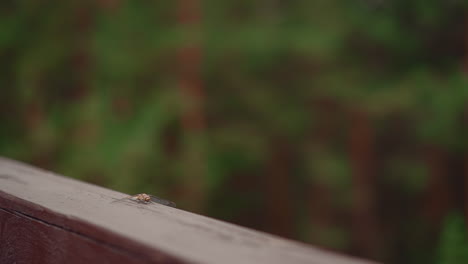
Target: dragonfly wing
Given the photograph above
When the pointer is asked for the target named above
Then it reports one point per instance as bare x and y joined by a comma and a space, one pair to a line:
123, 200
162, 201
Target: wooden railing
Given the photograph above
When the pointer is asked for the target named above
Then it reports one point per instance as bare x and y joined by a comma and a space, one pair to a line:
47, 218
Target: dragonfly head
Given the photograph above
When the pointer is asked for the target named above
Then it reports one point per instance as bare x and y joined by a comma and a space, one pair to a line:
146, 198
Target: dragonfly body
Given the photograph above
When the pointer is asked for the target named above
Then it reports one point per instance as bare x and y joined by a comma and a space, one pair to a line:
142, 197
148, 198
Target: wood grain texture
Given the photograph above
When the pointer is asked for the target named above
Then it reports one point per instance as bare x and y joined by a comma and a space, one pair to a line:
47, 218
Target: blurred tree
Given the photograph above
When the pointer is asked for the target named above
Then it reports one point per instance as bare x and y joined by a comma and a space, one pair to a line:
192, 95
340, 123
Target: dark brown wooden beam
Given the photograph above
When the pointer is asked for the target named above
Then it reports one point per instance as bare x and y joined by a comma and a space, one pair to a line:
47, 218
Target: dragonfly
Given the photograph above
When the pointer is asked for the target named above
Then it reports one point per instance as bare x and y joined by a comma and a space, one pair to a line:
147, 199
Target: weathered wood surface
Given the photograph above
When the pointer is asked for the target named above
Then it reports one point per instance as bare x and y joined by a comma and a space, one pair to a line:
47, 218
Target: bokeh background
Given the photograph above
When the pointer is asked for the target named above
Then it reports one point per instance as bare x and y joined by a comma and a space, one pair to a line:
338, 123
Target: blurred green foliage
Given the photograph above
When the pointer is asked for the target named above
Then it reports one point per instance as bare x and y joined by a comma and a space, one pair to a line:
90, 89
454, 241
